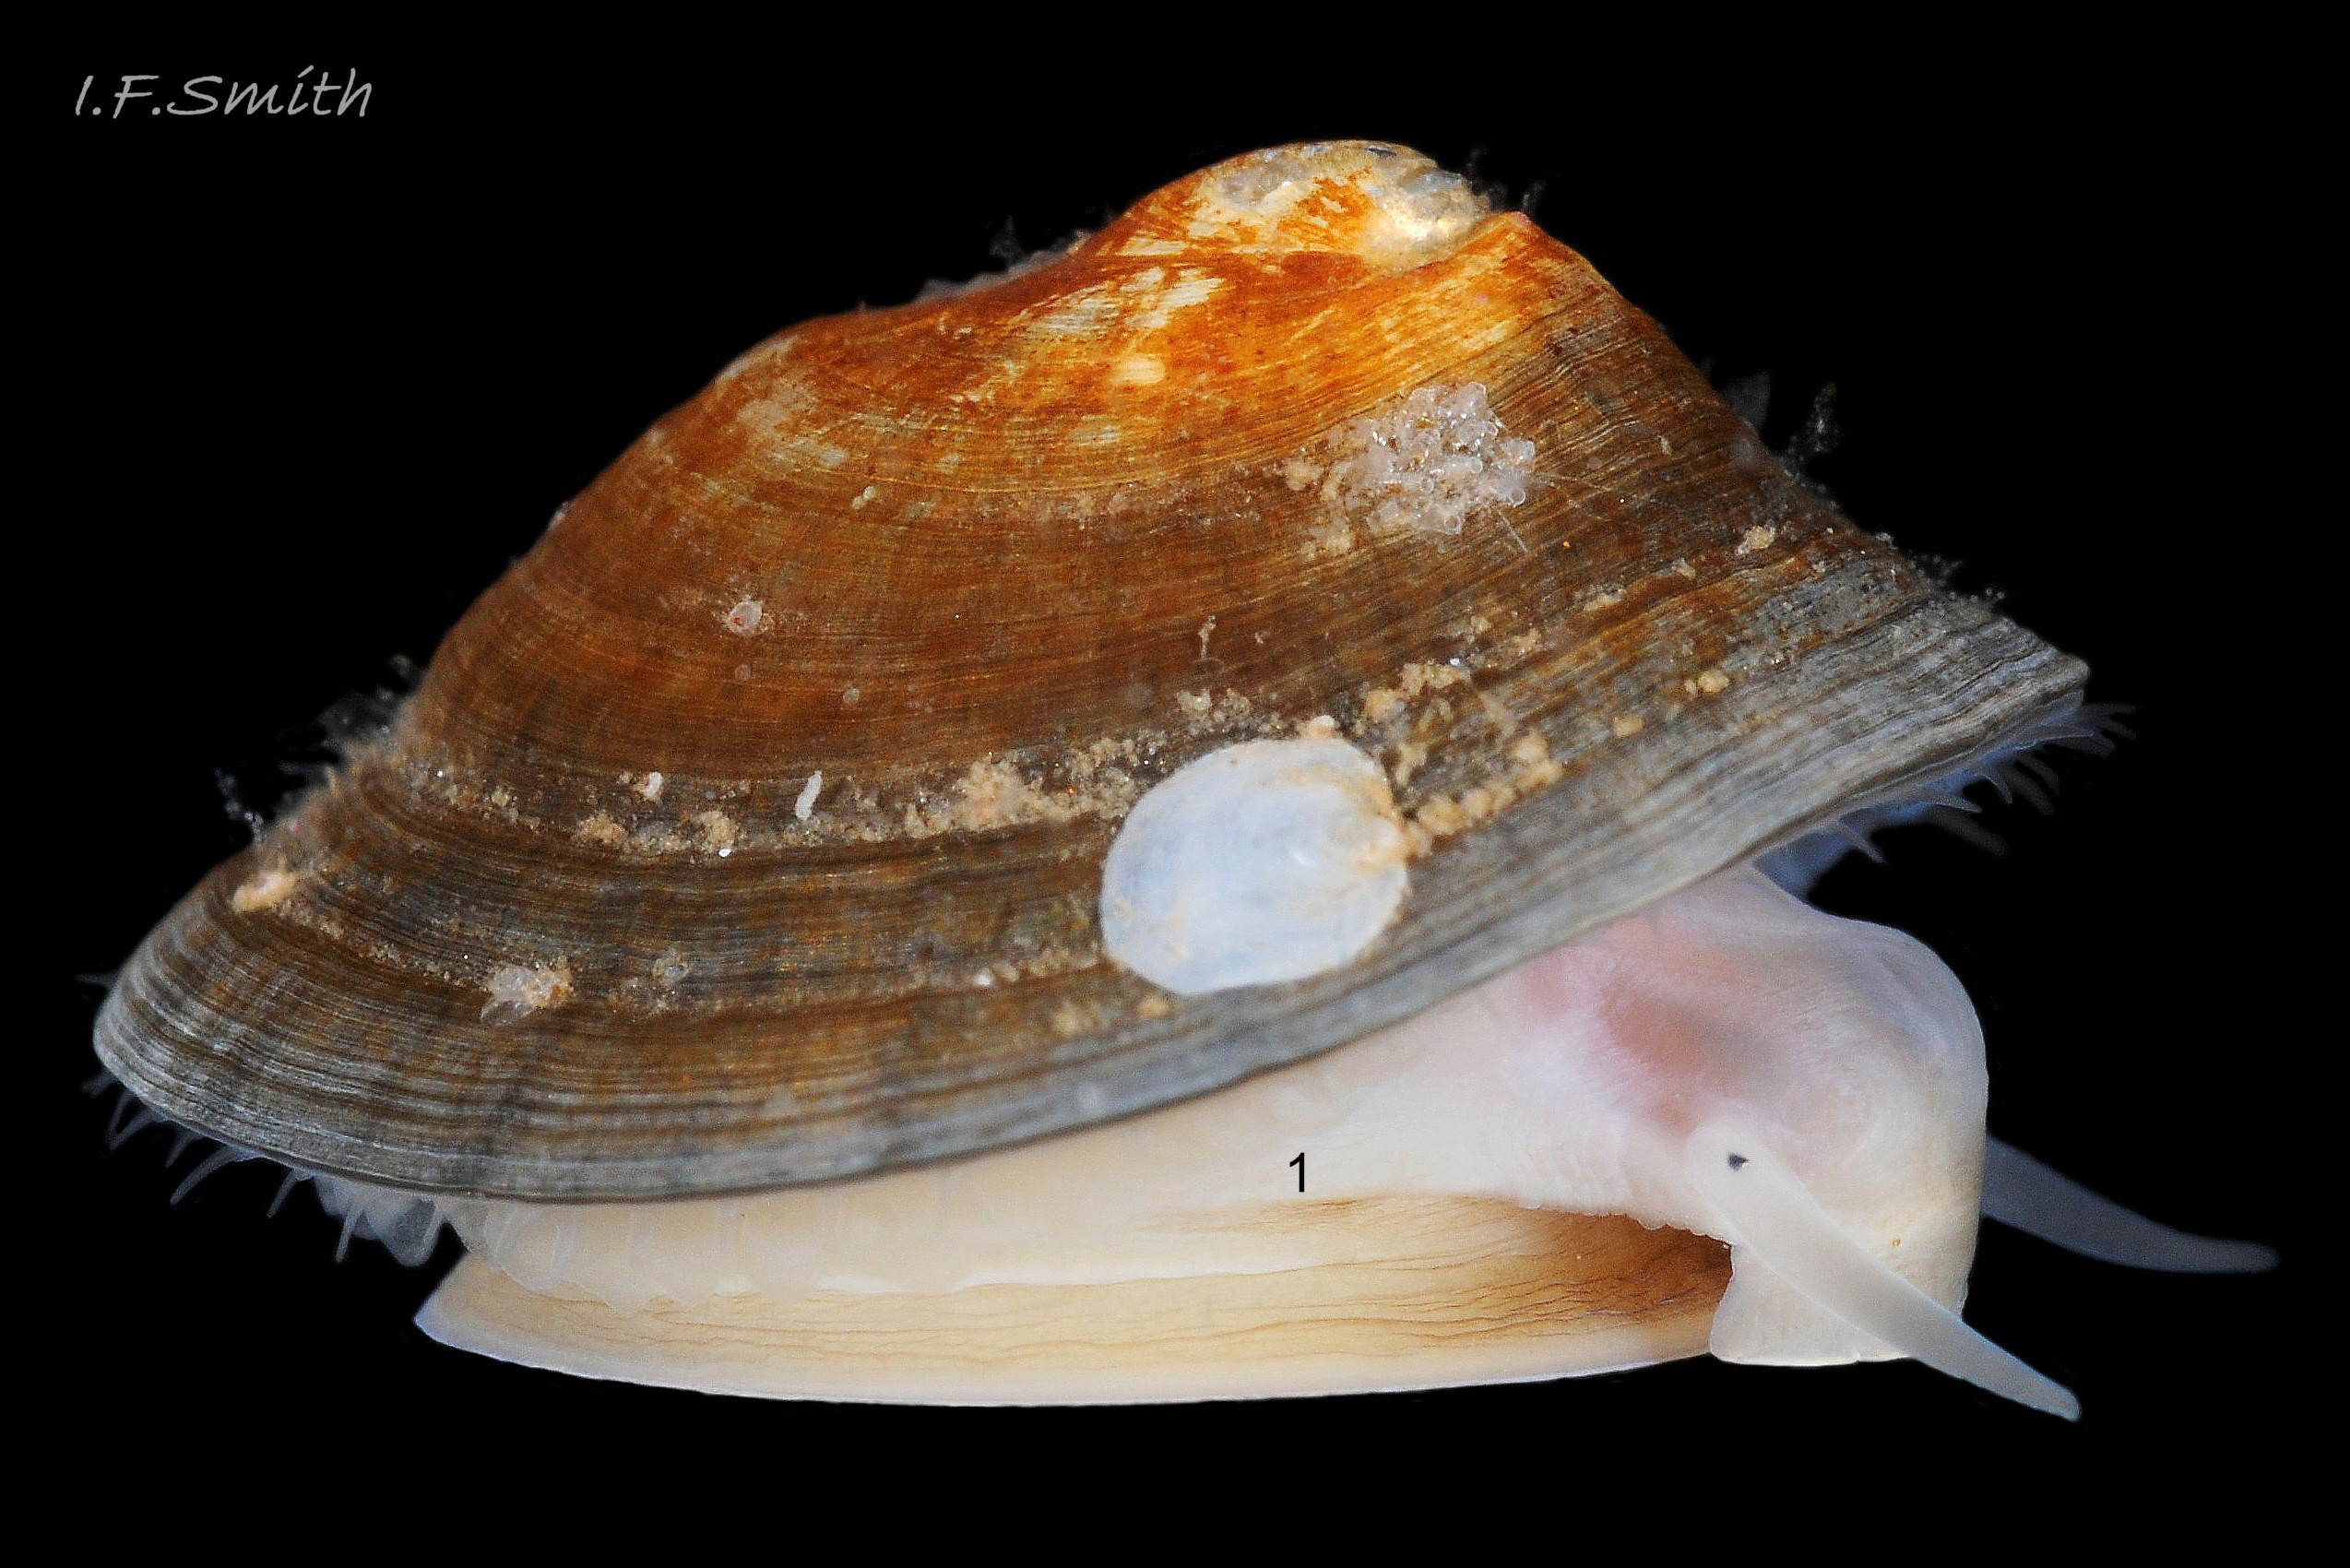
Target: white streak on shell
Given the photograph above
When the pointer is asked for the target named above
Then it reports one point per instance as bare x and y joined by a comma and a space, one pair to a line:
1265, 861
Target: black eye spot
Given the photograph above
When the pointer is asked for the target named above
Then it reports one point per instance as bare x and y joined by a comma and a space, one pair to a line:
1737, 1162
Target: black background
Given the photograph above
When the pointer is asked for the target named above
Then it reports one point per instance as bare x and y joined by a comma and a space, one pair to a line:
302, 389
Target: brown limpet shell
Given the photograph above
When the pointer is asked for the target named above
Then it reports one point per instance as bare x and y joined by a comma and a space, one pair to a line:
749, 830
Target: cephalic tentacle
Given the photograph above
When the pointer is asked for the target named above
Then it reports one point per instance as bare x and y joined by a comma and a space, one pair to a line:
1772, 1215
2020, 1191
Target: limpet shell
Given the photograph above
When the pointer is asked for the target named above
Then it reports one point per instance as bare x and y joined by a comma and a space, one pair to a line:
992, 565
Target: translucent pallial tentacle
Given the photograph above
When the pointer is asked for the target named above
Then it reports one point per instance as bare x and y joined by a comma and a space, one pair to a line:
1767, 1211
227, 1154
2020, 1191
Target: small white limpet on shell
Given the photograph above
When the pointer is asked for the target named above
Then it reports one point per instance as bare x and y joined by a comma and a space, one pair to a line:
1259, 862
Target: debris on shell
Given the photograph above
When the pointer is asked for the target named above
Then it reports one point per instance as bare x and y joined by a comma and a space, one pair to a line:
265, 889
1428, 463
719, 833
516, 990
